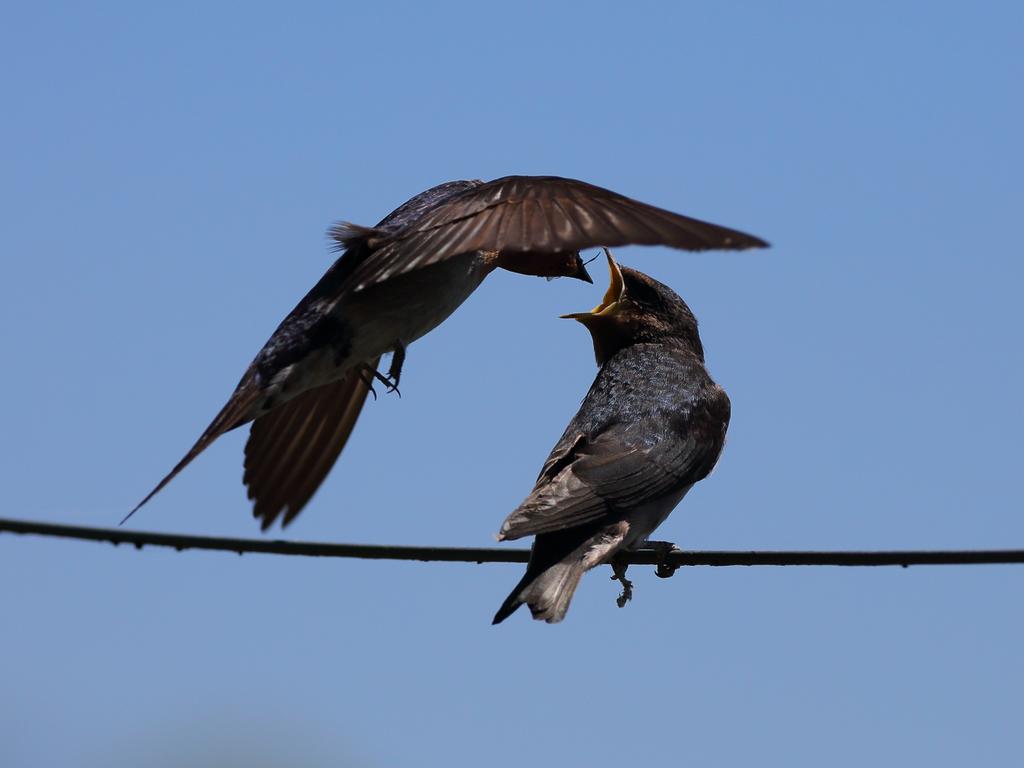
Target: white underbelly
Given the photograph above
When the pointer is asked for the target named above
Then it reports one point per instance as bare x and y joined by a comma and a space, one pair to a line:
409, 306
644, 519
377, 319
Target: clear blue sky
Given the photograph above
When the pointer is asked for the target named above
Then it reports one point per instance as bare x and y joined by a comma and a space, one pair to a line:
167, 179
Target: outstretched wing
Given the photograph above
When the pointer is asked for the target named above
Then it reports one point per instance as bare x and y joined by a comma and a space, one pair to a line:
536, 214
292, 448
234, 414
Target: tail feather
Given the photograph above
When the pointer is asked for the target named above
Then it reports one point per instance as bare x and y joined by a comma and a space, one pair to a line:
557, 561
547, 593
237, 412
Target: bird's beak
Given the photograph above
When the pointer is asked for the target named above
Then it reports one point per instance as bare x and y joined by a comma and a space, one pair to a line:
581, 271
611, 302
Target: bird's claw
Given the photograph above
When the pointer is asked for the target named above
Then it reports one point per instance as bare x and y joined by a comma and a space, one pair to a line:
395, 369
368, 374
664, 569
619, 575
390, 383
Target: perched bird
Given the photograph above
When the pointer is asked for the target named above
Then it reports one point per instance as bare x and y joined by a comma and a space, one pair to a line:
652, 425
397, 281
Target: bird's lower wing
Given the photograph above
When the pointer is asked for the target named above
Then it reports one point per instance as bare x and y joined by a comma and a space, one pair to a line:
605, 477
292, 448
236, 413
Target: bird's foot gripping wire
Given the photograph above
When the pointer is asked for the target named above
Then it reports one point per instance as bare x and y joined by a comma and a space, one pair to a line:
665, 570
619, 575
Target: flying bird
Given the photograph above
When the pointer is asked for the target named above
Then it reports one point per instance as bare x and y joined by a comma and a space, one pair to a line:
397, 281
651, 426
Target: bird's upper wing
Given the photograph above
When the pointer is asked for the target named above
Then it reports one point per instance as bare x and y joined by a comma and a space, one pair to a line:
613, 472
537, 214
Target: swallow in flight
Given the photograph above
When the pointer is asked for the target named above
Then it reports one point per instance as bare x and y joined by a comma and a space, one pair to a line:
397, 281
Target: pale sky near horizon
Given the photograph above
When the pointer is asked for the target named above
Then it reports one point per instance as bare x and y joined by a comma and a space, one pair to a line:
168, 177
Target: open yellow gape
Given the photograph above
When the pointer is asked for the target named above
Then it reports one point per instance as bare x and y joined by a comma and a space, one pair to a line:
610, 303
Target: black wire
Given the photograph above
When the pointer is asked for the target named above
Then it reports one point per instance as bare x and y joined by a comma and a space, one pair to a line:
667, 562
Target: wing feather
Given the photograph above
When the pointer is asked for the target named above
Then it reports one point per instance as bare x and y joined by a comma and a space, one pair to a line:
292, 448
563, 220
605, 477
623, 465
539, 214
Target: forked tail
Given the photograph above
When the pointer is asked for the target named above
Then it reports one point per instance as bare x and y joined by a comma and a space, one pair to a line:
547, 593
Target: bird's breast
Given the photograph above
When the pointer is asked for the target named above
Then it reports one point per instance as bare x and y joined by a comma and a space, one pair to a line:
410, 305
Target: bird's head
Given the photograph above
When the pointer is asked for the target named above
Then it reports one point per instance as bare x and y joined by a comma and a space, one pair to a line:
549, 265
572, 265
637, 309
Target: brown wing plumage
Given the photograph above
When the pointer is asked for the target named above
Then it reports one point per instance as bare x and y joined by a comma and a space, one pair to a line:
539, 214
292, 448
603, 476
235, 413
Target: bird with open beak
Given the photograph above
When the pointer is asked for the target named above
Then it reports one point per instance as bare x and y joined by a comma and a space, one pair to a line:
397, 281
652, 425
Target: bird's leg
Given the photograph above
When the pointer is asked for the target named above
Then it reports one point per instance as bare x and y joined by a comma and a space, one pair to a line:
665, 570
619, 575
368, 374
395, 369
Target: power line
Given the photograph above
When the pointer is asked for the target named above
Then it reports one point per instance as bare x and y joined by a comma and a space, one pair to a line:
668, 562
181, 542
